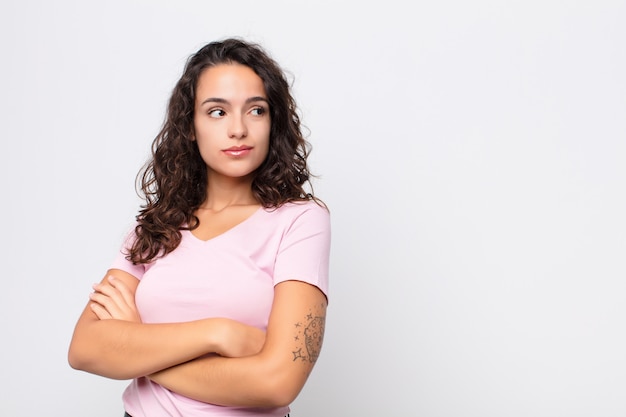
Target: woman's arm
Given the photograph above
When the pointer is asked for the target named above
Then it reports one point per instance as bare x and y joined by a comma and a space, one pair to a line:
274, 376
110, 340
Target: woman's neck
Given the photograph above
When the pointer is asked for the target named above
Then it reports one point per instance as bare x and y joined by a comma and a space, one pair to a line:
225, 192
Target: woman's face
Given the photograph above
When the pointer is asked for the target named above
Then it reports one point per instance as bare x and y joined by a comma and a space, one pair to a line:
231, 120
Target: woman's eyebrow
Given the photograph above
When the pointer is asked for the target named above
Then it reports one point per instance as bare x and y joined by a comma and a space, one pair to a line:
224, 101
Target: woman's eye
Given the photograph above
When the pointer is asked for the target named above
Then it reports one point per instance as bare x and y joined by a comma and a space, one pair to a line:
258, 111
216, 113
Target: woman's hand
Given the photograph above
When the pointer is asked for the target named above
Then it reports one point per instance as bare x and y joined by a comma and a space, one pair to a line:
237, 339
112, 299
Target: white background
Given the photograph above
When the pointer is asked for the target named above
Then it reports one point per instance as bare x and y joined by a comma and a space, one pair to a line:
472, 154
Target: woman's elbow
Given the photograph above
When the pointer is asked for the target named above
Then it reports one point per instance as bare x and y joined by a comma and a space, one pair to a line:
274, 397
88, 360
282, 389
283, 398
80, 359
76, 358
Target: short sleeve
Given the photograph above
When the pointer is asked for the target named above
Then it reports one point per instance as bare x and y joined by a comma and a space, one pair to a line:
304, 250
120, 261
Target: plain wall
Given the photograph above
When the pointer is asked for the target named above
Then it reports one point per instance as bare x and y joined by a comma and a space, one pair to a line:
472, 154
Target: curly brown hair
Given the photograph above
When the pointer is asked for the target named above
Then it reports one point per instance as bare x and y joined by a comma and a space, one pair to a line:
174, 180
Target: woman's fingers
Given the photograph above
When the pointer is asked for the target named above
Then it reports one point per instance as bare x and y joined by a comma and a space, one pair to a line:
124, 291
117, 299
107, 298
100, 311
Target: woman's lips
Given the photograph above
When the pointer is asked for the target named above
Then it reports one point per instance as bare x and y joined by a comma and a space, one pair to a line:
238, 150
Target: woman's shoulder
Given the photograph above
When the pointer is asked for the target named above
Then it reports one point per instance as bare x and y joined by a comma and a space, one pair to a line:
306, 210
299, 207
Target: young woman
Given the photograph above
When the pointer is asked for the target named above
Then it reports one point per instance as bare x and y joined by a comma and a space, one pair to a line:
216, 303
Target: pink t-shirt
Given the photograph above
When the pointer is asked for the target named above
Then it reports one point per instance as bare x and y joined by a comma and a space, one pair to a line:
231, 275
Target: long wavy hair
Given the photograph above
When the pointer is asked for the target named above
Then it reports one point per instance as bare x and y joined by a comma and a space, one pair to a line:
173, 182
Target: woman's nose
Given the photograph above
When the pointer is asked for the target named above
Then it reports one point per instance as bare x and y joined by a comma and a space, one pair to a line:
237, 128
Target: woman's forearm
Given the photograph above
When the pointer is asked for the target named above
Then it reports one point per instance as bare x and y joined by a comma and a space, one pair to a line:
274, 376
110, 339
243, 382
123, 350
